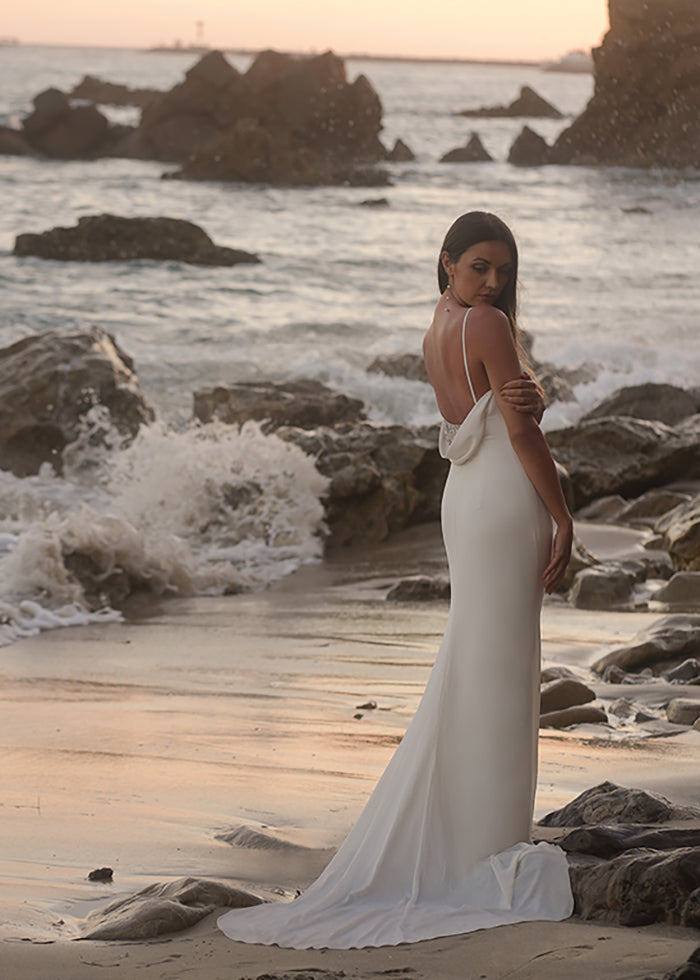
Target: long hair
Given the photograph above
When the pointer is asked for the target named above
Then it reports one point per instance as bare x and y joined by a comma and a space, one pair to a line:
482, 226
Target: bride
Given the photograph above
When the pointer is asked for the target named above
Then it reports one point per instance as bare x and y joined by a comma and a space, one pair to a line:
443, 844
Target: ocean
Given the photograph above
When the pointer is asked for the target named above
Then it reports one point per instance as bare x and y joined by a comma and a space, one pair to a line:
609, 261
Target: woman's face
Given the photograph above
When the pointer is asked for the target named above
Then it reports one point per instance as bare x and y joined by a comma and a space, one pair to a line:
480, 273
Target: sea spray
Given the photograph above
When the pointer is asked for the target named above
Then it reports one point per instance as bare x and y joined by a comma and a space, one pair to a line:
207, 510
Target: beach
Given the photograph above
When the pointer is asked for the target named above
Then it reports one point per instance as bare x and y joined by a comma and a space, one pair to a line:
132, 745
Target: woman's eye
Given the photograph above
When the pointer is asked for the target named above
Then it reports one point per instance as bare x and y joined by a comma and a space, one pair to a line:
479, 268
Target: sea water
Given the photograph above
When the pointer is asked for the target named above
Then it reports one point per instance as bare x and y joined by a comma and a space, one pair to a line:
609, 260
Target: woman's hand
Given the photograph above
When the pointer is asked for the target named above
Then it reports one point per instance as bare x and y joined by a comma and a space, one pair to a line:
561, 552
523, 395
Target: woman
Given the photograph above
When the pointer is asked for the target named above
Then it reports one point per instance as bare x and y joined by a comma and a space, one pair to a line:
443, 844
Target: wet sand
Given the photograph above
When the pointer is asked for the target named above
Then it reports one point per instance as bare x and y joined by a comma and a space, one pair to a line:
133, 745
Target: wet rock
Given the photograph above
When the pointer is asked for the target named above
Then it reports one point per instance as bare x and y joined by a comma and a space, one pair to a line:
13, 143
618, 455
411, 366
608, 842
101, 874
160, 909
647, 508
48, 385
528, 103
581, 714
529, 149
603, 509
644, 109
472, 152
672, 638
611, 804
683, 711
686, 671
109, 238
564, 692
681, 530
401, 153
306, 403
639, 888
683, 589
660, 402
602, 587
420, 589
93, 89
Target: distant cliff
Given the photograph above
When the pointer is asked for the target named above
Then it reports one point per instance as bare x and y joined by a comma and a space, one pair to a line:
645, 111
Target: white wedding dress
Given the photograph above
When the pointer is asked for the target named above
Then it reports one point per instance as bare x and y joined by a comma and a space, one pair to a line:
443, 844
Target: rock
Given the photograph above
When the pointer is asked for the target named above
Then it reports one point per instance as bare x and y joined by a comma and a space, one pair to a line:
650, 506
602, 587
109, 238
660, 402
611, 804
529, 149
50, 107
622, 708
690, 970
411, 366
581, 714
57, 129
554, 673
564, 693
603, 509
164, 908
685, 671
472, 152
580, 558
367, 706
528, 103
681, 590
49, 383
639, 887
13, 143
644, 111
101, 874
608, 842
306, 403
681, 530
93, 89
672, 638
683, 711
375, 202
420, 589
401, 153
623, 455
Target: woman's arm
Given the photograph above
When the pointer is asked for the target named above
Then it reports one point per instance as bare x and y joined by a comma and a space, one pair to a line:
524, 395
489, 339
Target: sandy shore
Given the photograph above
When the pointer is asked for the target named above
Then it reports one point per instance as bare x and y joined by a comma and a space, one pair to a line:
132, 745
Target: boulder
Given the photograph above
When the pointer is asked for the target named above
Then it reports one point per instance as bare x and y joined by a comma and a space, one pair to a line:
611, 804
581, 714
660, 402
306, 403
683, 711
607, 842
673, 638
81, 132
603, 509
401, 153
623, 455
564, 692
528, 103
644, 111
529, 149
420, 589
164, 908
681, 530
93, 89
411, 366
647, 508
683, 589
50, 107
13, 143
604, 586
110, 238
684, 672
472, 152
49, 383
580, 558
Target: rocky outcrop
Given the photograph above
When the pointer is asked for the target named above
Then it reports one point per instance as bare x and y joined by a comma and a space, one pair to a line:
608, 803
659, 402
48, 385
618, 455
529, 149
666, 642
58, 129
109, 238
93, 89
528, 103
473, 151
161, 909
13, 143
306, 404
411, 366
401, 153
644, 111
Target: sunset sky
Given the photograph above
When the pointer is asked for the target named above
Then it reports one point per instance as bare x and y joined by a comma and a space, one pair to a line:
528, 29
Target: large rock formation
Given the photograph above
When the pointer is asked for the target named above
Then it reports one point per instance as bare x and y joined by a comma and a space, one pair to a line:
48, 384
645, 110
110, 238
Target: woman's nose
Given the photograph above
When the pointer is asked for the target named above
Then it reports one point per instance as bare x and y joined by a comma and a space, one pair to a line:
492, 278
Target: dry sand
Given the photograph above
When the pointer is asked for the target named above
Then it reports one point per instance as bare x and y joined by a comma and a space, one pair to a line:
132, 745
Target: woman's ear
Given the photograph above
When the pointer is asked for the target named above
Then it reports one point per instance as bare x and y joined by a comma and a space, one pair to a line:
446, 262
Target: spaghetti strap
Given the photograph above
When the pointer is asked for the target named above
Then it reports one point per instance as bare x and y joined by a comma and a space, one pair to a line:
464, 354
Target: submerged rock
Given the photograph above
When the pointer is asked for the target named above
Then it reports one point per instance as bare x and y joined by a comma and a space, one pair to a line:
608, 803
473, 151
528, 103
48, 385
672, 638
109, 238
160, 909
660, 402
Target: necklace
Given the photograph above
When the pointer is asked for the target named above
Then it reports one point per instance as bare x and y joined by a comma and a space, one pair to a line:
453, 296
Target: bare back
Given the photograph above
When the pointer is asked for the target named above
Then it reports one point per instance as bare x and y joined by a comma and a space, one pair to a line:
445, 363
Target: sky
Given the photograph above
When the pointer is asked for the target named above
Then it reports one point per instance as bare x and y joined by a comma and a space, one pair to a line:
491, 29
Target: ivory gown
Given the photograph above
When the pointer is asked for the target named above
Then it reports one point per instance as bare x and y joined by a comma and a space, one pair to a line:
443, 844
